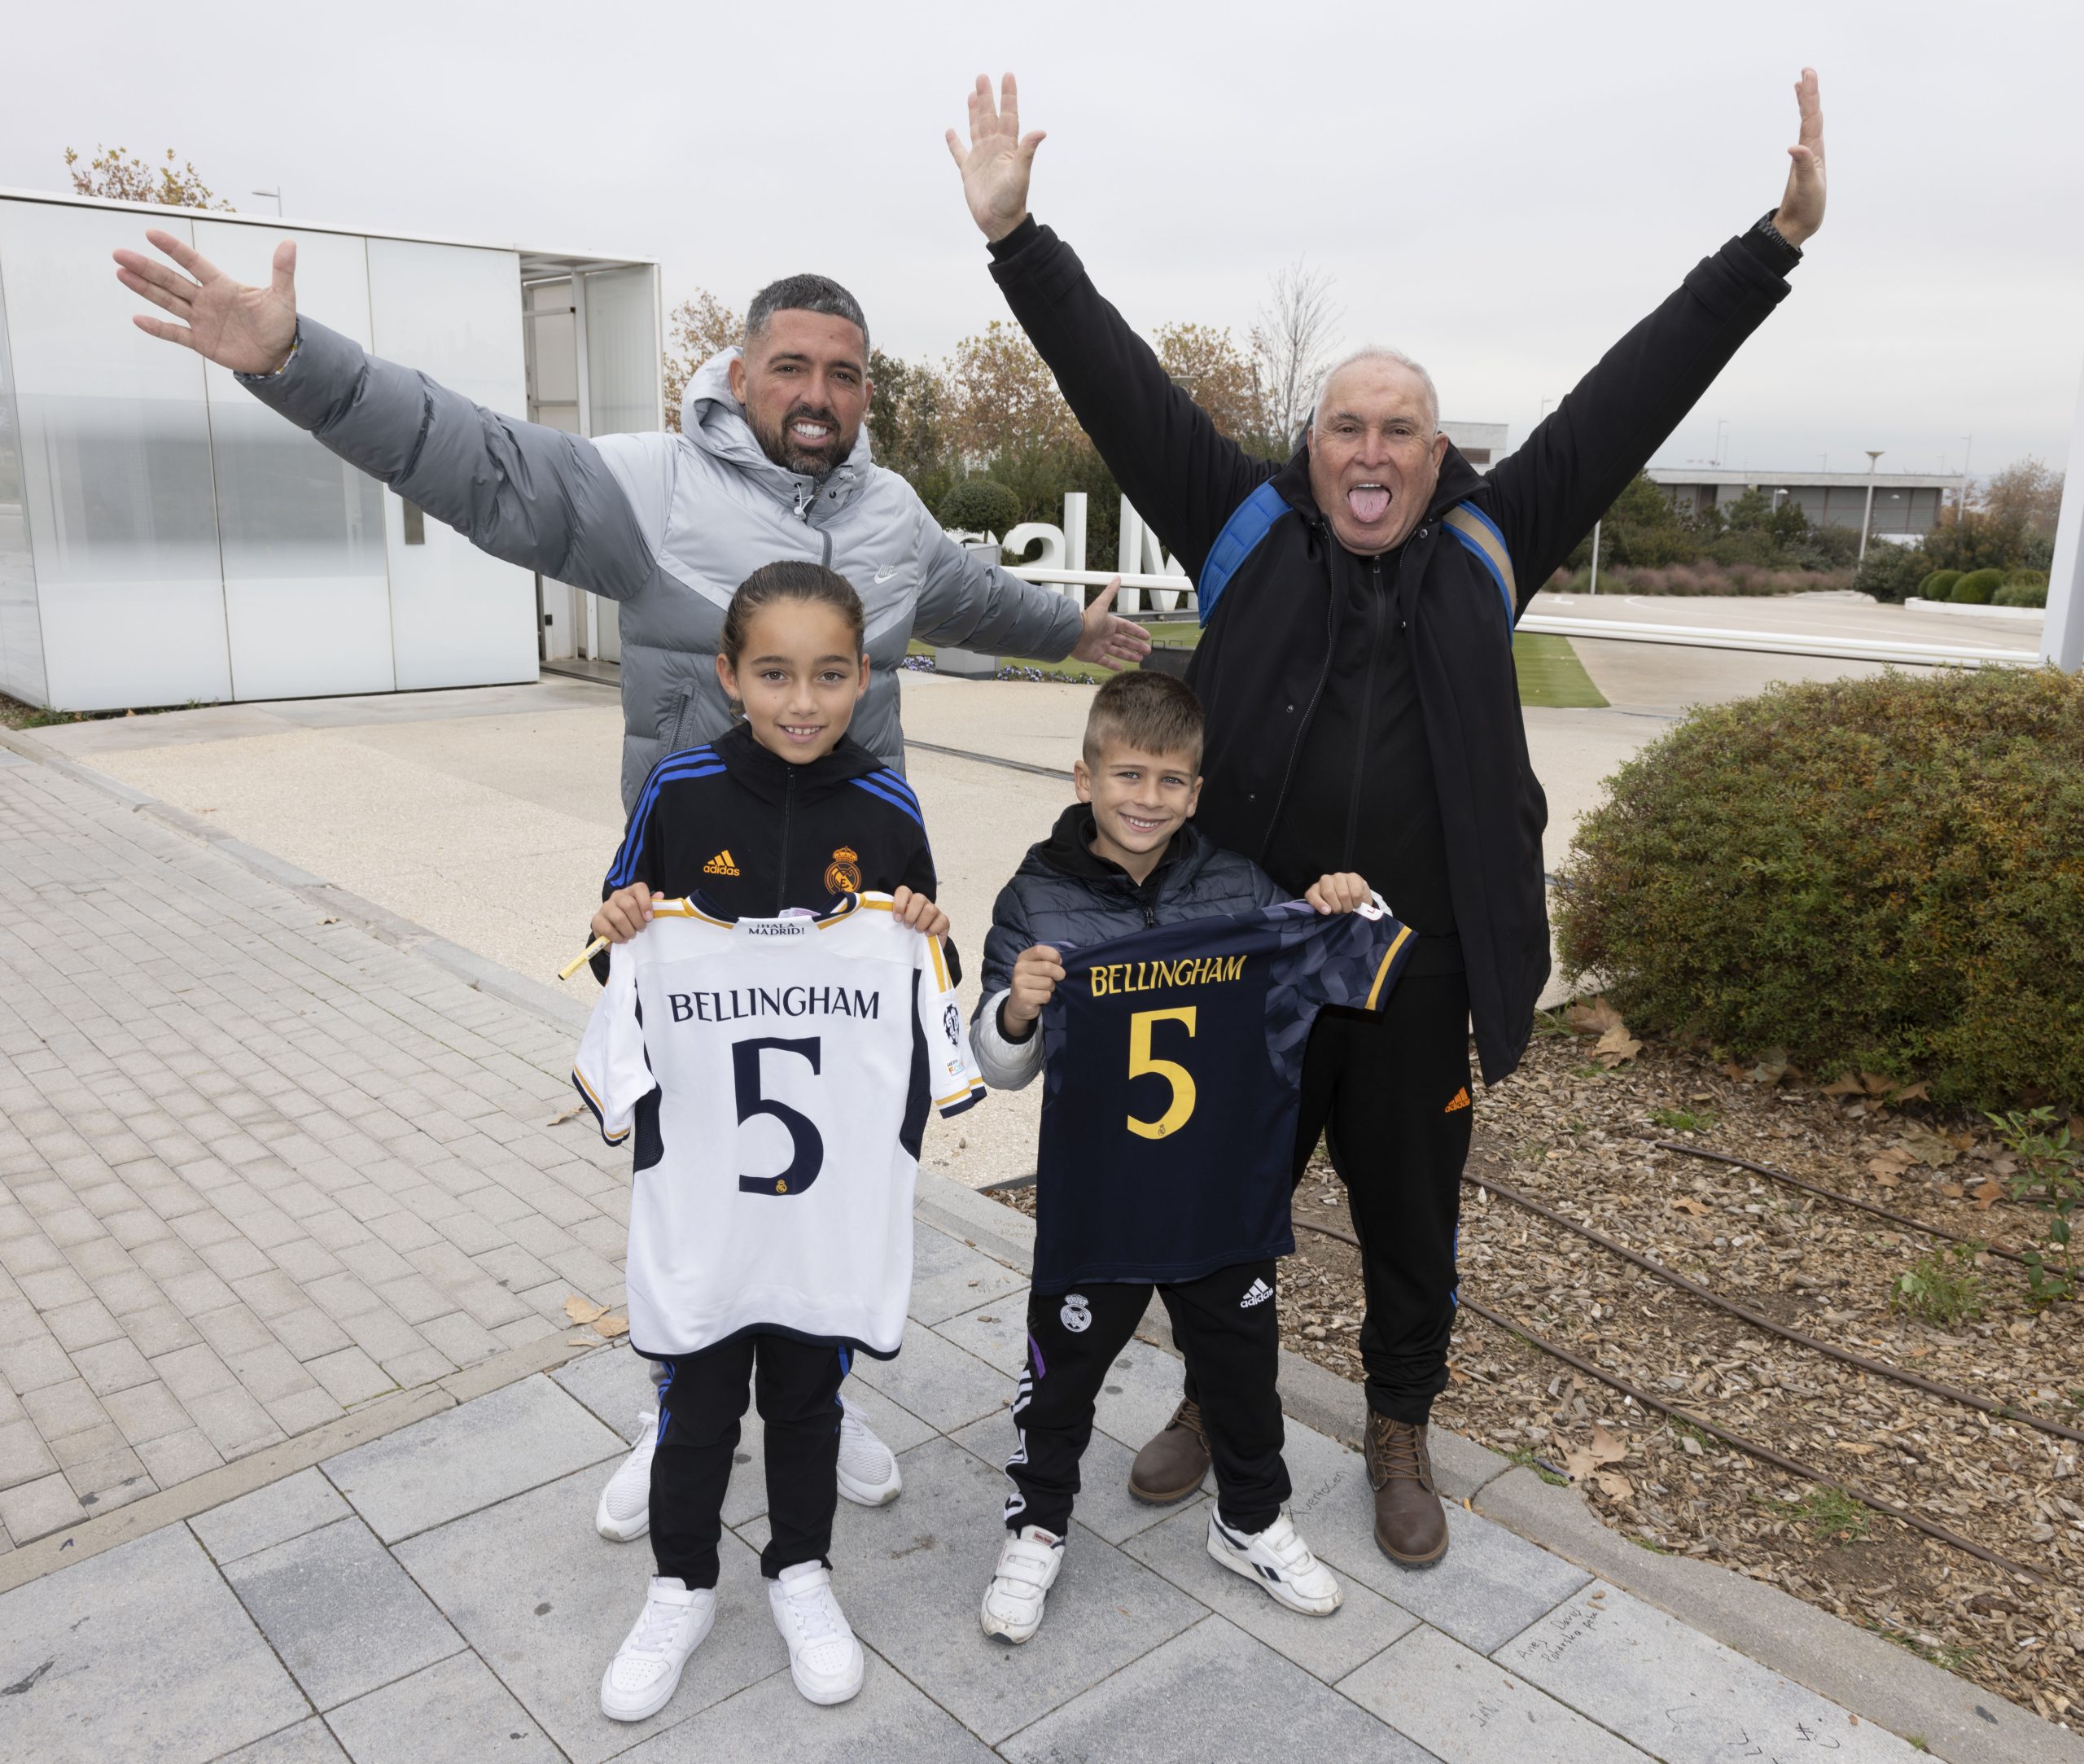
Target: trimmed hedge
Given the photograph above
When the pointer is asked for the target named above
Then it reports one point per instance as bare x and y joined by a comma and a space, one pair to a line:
1976, 588
981, 505
1882, 875
1938, 585
2015, 592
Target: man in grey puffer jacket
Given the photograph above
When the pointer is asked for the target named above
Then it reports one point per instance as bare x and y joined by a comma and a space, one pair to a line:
771, 462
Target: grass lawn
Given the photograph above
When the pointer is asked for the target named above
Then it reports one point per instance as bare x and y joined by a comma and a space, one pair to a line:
1550, 675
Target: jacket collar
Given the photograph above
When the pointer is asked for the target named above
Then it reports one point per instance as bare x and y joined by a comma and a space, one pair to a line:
715, 422
770, 777
1068, 851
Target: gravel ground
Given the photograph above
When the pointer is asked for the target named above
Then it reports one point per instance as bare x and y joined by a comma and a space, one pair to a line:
1577, 1136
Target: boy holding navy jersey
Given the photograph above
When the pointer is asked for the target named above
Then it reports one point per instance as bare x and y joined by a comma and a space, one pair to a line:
1124, 859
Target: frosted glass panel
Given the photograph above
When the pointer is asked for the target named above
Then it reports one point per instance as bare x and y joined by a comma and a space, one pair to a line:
116, 470
21, 636
457, 617
307, 586
622, 352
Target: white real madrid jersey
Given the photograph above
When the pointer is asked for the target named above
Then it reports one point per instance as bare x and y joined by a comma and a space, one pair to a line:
774, 1075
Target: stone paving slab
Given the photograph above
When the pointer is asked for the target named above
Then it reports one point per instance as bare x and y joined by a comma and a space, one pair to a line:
1677, 1694
145, 1638
453, 1709
340, 1612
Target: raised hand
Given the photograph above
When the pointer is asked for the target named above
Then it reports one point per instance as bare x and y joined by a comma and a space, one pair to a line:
1801, 211
996, 167
247, 329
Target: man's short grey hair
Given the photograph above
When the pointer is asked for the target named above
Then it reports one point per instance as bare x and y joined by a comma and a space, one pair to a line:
804, 294
1376, 352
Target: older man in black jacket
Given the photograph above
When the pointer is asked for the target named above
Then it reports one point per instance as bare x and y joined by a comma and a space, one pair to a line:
1356, 665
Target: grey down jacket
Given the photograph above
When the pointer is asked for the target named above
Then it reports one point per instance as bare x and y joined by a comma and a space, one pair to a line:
668, 525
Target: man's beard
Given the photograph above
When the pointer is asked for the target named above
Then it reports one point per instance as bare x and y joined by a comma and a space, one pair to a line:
784, 451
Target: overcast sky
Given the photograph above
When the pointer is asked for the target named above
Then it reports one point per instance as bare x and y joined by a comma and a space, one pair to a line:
1500, 191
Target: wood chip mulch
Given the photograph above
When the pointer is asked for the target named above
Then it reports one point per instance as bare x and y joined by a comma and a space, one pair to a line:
1578, 1136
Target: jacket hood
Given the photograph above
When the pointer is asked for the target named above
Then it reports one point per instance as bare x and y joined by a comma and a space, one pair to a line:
1459, 481
714, 421
1068, 851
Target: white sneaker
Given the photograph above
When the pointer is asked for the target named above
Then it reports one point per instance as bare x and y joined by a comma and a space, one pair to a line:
824, 1657
868, 1468
1029, 1562
641, 1680
625, 1510
1280, 1561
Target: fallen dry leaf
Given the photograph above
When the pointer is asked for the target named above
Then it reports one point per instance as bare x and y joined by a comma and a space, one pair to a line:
1698, 1209
1921, 1092
1876, 1084
1846, 1086
581, 1341
1616, 1484
1770, 1070
612, 1327
558, 1120
583, 1310
1594, 1018
1616, 1045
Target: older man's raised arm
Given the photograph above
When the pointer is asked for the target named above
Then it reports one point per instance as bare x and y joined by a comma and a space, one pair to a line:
1184, 475
532, 496
1546, 494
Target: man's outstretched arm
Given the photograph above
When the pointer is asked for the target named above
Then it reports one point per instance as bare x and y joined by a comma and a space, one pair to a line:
532, 496
1183, 475
1546, 495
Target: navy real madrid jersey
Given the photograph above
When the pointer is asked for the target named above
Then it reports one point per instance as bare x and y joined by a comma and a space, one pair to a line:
1172, 1067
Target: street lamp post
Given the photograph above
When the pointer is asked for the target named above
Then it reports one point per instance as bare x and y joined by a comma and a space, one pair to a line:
276, 193
1968, 442
1866, 520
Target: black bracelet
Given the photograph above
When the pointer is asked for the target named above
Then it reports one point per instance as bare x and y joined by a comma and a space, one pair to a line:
1778, 242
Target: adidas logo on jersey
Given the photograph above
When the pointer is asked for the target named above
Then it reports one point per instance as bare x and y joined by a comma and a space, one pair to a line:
722, 864
1459, 1099
1256, 1293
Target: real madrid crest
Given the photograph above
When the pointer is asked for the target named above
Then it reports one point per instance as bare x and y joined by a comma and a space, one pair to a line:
843, 875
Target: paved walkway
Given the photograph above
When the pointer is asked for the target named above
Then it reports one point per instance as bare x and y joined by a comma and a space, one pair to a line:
440, 1594
298, 1461
260, 1167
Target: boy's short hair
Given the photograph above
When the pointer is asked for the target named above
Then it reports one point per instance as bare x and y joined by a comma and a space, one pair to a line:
1152, 712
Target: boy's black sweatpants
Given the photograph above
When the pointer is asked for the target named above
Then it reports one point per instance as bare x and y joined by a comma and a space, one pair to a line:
700, 1404
1225, 1326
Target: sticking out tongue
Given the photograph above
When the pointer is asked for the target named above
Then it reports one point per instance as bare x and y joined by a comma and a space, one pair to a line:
1368, 501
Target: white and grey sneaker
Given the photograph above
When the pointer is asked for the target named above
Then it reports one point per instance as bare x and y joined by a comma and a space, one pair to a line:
1280, 1562
641, 1680
1029, 1562
868, 1468
625, 1510
824, 1657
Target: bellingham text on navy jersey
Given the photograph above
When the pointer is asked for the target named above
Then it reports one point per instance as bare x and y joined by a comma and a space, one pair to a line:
1120, 976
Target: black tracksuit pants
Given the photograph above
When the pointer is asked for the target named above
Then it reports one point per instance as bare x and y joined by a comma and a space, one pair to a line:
700, 1404
1229, 1332
1391, 1096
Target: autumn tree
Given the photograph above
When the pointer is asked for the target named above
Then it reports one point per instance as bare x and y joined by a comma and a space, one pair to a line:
1004, 399
121, 175
2027, 494
1226, 382
696, 329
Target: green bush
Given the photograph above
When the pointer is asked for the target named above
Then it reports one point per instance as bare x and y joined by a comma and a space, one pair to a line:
1891, 573
1938, 585
1883, 874
981, 505
2031, 592
1976, 588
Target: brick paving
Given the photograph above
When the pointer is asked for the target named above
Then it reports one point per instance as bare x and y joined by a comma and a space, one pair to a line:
256, 1165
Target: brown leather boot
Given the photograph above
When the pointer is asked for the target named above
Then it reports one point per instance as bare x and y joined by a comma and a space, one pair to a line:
1410, 1526
1172, 1463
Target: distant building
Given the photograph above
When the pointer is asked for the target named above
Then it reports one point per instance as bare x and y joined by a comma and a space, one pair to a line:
1907, 504
1479, 443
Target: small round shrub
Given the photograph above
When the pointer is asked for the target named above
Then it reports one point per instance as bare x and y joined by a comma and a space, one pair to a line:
981, 505
1938, 585
1882, 874
1976, 588
2030, 592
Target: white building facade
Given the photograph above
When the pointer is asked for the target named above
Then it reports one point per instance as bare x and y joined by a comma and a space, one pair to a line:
166, 540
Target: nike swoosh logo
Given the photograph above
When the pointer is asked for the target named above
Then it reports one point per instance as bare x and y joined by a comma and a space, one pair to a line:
885, 573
